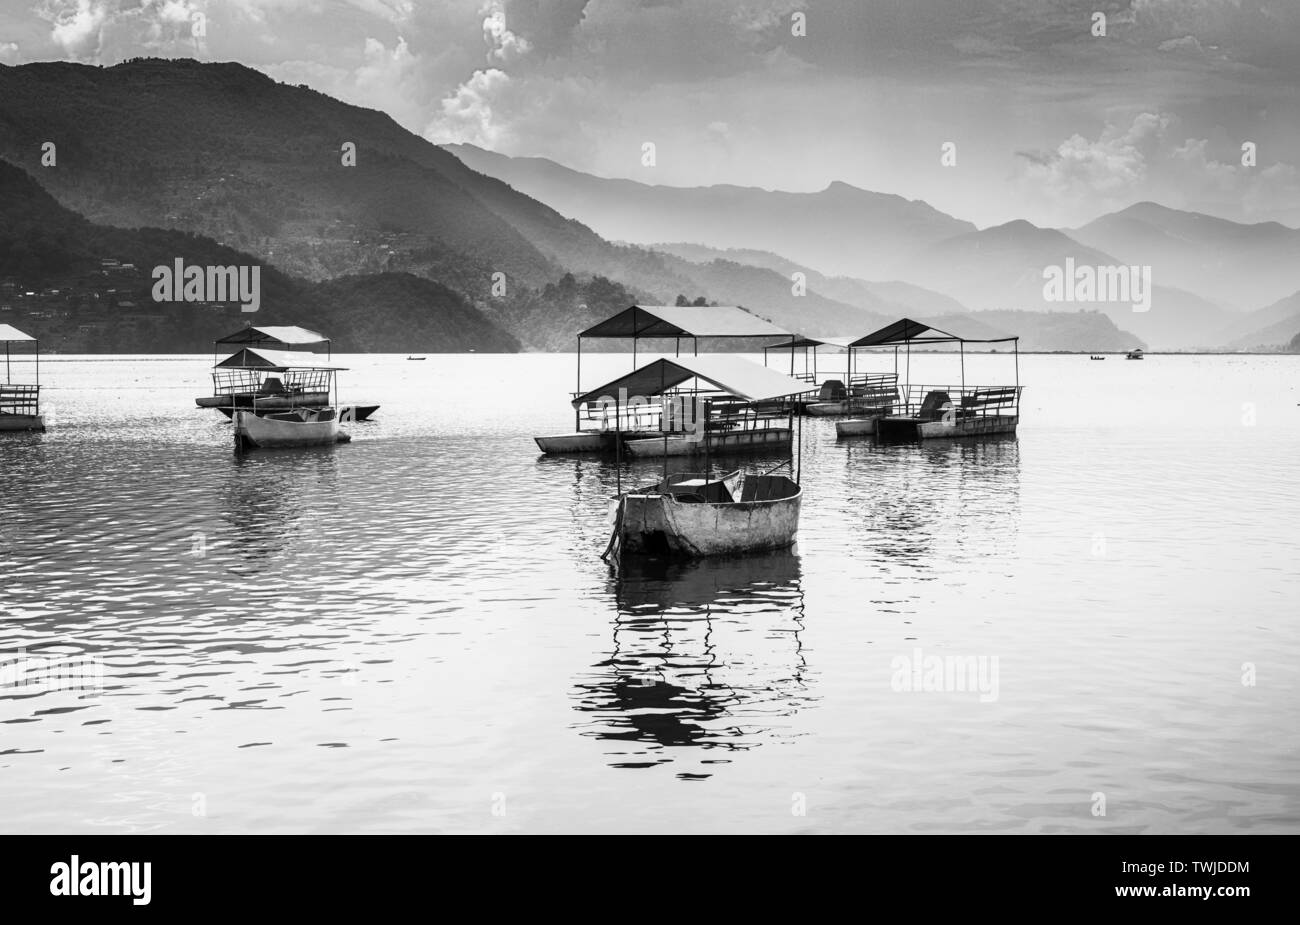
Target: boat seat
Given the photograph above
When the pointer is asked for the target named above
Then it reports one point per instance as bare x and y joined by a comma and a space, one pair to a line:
832, 390
934, 406
984, 400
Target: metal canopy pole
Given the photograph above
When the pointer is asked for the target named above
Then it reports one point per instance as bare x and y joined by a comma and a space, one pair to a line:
798, 472
577, 413
961, 352
663, 408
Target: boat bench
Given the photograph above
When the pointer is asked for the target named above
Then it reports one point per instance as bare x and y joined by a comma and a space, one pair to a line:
875, 396
14, 397
983, 400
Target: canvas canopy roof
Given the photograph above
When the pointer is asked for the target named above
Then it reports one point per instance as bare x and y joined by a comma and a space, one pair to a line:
685, 321
734, 375
801, 342
907, 331
264, 358
288, 334
10, 333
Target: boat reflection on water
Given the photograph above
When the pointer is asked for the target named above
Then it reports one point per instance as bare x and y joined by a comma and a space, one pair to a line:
706, 655
937, 502
272, 507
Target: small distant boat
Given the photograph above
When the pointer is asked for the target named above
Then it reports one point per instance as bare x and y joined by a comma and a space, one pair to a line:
300, 427
417, 358
695, 515
1134, 354
1096, 358
20, 407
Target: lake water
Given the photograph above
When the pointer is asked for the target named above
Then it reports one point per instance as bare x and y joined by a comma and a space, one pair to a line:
415, 633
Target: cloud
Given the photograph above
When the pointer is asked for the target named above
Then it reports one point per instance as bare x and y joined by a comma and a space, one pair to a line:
8, 52
75, 27
467, 115
1110, 167
503, 45
104, 30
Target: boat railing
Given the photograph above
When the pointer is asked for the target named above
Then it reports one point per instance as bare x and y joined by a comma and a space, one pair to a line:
938, 401
629, 418
726, 414
292, 385
867, 382
19, 399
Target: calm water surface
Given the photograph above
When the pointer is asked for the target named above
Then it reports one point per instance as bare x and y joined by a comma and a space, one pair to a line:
415, 632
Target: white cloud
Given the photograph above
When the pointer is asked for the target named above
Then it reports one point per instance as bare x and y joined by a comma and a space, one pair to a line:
503, 45
75, 26
8, 52
1110, 167
467, 115
101, 31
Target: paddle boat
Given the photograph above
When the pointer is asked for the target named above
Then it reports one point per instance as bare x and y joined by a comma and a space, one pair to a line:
20, 403
236, 387
594, 431
686, 406
1135, 354
927, 412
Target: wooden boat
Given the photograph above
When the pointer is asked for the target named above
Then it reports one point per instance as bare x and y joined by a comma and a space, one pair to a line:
20, 403
695, 515
1096, 358
1135, 354
301, 427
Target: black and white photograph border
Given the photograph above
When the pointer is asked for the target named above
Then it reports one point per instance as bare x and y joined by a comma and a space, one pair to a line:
868, 417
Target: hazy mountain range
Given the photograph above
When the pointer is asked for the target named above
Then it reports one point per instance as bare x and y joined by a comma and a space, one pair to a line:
225, 153
1210, 275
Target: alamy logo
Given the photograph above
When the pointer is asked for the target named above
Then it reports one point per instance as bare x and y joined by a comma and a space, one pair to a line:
104, 878
946, 674
1073, 283
195, 283
681, 415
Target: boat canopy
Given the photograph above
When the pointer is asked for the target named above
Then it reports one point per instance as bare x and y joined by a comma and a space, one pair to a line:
685, 321
263, 358
907, 331
10, 334
802, 342
736, 376
270, 335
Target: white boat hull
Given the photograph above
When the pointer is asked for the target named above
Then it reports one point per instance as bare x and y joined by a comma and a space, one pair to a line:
859, 427
773, 439
252, 430
909, 428
563, 444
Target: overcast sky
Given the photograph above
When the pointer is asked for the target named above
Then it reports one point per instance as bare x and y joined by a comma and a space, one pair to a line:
1050, 122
